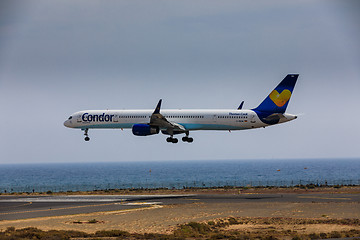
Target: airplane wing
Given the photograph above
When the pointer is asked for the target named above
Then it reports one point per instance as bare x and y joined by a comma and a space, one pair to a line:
158, 120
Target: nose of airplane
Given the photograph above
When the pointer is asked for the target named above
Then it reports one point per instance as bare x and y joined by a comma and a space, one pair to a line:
67, 123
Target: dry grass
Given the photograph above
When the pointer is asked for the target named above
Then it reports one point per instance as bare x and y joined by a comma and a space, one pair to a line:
228, 228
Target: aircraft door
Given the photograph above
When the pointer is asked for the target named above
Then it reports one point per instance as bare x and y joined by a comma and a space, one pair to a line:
79, 118
214, 118
116, 118
252, 120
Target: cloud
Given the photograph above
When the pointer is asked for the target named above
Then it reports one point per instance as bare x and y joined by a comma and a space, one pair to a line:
59, 57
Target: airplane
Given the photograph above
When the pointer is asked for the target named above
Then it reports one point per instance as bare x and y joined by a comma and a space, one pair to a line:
177, 121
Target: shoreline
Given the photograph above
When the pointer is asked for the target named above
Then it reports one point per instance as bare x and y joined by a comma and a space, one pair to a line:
302, 189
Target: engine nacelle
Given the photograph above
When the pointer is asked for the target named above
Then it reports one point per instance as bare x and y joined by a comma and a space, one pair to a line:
144, 130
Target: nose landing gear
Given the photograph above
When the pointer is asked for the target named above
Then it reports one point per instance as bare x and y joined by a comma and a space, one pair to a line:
86, 135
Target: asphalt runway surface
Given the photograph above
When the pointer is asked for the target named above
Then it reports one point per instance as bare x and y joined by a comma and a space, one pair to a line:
24, 207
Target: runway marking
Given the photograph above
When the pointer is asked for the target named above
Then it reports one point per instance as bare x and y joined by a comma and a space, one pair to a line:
329, 198
142, 203
84, 214
25, 204
55, 209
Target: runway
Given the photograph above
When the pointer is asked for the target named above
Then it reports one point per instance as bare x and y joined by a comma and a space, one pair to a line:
26, 207
19, 207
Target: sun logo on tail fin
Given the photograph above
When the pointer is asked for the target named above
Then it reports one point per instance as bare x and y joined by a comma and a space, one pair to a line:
280, 99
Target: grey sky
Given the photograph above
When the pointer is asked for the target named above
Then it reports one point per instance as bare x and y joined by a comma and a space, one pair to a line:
59, 57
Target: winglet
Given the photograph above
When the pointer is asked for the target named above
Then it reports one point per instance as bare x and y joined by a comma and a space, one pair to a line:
241, 105
157, 109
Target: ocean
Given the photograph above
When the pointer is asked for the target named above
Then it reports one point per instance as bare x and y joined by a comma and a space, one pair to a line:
58, 177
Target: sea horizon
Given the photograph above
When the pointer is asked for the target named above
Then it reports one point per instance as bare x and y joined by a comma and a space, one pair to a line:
187, 160
78, 176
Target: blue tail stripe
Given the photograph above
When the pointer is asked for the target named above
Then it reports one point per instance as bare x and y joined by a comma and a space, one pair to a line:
278, 99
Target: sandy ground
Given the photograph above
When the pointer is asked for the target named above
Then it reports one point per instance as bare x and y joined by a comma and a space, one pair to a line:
164, 219
303, 229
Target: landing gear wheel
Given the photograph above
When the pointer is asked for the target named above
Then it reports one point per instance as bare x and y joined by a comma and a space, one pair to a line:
172, 140
86, 135
187, 139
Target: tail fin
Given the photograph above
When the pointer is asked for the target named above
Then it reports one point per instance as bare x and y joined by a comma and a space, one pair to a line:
278, 99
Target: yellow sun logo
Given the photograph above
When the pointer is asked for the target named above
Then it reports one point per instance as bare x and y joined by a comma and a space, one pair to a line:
280, 99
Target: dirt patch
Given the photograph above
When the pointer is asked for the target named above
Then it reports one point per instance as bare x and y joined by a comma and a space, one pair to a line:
164, 219
303, 229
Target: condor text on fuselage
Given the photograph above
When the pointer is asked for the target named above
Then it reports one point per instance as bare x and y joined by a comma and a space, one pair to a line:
86, 117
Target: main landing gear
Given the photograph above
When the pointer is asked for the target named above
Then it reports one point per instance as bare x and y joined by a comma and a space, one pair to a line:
175, 140
86, 135
187, 139
172, 140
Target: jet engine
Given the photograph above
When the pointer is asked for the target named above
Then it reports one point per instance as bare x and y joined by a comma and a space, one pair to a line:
144, 130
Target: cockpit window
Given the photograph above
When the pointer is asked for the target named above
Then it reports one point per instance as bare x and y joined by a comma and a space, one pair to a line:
70, 117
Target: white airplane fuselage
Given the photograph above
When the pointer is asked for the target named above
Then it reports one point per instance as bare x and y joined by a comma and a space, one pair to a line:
201, 119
